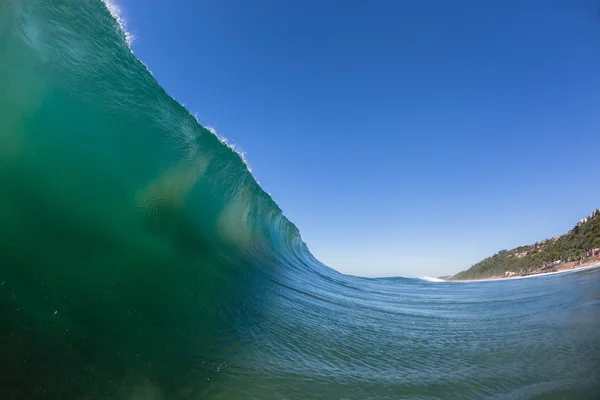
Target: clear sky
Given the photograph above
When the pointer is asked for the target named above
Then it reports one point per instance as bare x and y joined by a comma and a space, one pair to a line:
402, 137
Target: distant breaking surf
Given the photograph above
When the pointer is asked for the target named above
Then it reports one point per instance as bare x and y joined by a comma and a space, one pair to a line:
431, 279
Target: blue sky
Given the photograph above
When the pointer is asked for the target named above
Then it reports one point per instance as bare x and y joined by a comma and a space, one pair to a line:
402, 137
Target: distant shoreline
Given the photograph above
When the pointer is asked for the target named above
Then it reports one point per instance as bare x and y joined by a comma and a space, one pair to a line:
579, 247
584, 267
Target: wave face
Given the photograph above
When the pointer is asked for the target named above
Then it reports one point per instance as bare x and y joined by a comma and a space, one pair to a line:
139, 259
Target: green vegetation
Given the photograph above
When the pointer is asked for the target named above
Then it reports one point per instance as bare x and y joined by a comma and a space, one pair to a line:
571, 246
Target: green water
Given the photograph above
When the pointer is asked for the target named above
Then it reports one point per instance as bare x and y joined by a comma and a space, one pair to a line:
139, 259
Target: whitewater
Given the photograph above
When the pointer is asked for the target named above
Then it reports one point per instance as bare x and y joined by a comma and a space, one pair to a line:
140, 259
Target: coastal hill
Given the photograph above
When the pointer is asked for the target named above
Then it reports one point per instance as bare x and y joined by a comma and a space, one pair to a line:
578, 246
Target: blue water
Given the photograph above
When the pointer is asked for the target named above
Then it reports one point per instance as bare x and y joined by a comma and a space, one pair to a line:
139, 259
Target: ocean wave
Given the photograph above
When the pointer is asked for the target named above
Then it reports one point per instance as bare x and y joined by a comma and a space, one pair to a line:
117, 14
139, 258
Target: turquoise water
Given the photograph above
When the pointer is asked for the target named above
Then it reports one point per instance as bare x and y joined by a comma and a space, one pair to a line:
139, 259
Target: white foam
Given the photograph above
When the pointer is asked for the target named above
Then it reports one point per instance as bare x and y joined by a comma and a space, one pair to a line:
431, 279
115, 11
234, 147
